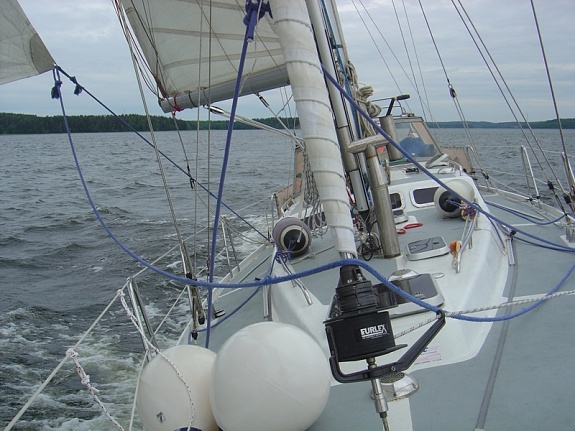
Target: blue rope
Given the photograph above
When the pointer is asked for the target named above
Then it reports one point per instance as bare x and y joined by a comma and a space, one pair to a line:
280, 256
411, 159
227, 316
80, 88
546, 247
523, 216
254, 12
269, 279
430, 307
407, 296
523, 310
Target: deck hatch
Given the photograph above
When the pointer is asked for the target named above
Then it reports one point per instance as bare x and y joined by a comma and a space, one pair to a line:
423, 287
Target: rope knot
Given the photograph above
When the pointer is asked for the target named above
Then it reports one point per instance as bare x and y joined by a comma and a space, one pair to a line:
468, 212
78, 89
55, 93
282, 256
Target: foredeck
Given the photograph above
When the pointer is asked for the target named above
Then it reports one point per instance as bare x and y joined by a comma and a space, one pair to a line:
510, 375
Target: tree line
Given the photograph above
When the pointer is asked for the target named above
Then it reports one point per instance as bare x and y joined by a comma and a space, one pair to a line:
12, 124
566, 123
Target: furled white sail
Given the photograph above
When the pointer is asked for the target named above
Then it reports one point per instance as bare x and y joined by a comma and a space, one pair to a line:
193, 50
22, 52
292, 24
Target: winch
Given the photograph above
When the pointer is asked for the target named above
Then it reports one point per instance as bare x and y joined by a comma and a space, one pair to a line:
359, 327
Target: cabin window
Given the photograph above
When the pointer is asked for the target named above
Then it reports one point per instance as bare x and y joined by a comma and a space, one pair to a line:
396, 201
423, 197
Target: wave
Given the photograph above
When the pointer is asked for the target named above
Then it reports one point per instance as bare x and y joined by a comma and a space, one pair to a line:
30, 339
12, 241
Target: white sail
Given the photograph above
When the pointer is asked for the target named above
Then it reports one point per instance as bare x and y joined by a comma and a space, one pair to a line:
22, 52
193, 50
292, 24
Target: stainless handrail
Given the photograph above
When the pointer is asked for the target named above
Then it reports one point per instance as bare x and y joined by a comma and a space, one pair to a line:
141, 315
297, 283
529, 173
466, 241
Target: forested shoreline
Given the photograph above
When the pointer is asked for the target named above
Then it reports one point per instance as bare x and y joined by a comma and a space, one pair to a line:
12, 124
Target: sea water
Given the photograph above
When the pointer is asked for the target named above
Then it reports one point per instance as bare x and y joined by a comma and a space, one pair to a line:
59, 268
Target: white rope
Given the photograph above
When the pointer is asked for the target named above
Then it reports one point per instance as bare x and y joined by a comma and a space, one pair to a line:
85, 379
491, 307
55, 371
361, 95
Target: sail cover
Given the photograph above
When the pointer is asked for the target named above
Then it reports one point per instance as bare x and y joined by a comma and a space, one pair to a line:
293, 25
22, 52
193, 50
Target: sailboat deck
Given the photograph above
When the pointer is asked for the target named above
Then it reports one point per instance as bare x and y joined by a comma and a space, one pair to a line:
523, 356
517, 380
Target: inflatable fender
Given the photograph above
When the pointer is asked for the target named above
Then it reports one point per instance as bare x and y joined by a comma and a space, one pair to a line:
293, 235
447, 203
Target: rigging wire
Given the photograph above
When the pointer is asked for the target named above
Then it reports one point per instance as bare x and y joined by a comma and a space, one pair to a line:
525, 217
252, 17
178, 167
157, 153
340, 67
382, 57
548, 76
450, 86
555, 107
407, 52
455, 99
287, 131
138, 56
475, 37
421, 99
269, 279
409, 157
188, 268
207, 17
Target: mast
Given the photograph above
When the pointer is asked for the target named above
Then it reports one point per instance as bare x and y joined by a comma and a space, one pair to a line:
292, 25
341, 110
352, 162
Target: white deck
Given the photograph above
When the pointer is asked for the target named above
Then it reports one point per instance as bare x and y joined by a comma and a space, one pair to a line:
501, 376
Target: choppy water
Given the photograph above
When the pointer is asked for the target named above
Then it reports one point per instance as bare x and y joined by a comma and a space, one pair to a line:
59, 268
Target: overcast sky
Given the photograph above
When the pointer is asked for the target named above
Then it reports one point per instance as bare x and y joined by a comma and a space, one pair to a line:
85, 39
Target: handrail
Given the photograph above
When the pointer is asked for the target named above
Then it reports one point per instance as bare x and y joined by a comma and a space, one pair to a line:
297, 283
141, 315
466, 240
529, 173
225, 235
